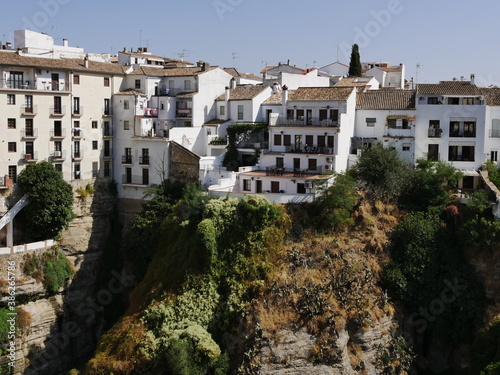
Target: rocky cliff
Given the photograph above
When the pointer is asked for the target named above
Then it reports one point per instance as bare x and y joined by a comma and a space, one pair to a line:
59, 330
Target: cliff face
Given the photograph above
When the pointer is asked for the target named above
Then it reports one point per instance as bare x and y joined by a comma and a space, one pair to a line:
59, 331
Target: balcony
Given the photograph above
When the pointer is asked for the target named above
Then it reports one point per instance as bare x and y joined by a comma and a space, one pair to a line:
148, 112
107, 112
27, 133
30, 157
134, 180
398, 132
108, 153
293, 172
58, 155
35, 85
77, 155
77, 112
77, 134
107, 132
494, 133
216, 141
313, 121
6, 182
58, 134
127, 159
463, 134
434, 133
58, 111
31, 110
183, 112
144, 160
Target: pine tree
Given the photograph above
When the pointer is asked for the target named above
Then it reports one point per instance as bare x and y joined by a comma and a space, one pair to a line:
355, 64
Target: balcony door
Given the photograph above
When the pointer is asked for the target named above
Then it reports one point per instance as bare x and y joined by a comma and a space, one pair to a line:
55, 81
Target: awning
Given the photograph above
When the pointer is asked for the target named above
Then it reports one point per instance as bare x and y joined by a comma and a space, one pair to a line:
470, 172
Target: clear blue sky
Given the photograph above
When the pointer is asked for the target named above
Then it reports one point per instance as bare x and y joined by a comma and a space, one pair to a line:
449, 38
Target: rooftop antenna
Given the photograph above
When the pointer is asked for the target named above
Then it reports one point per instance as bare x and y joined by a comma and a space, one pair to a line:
314, 63
183, 54
337, 50
140, 38
235, 56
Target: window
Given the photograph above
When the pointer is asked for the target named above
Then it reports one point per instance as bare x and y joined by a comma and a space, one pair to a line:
11, 99
468, 101
406, 147
494, 156
95, 169
107, 148
94, 124
106, 81
240, 112
433, 100
107, 109
126, 104
12, 147
58, 146
145, 176
392, 123
128, 175
432, 152
453, 101
247, 185
137, 83
57, 129
312, 164
58, 167
126, 125
434, 130
77, 171
405, 124
371, 121
162, 106
309, 140
94, 145
28, 103
287, 140
296, 163
461, 153
321, 140
76, 79
28, 127
76, 105
222, 110
57, 105
11, 123
16, 80
277, 139
107, 169
280, 162
76, 149
13, 172
187, 84
495, 128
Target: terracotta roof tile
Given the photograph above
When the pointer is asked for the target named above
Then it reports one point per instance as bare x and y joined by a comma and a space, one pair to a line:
386, 99
273, 99
448, 88
170, 72
130, 92
351, 82
492, 95
243, 93
320, 93
14, 59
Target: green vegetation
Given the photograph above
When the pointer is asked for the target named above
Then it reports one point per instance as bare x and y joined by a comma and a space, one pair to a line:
486, 350
493, 173
51, 201
83, 193
355, 63
212, 260
383, 172
51, 268
235, 134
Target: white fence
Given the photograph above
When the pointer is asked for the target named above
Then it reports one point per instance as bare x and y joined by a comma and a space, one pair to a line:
272, 197
27, 247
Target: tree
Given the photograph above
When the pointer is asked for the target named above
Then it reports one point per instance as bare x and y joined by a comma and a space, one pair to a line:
383, 171
355, 64
51, 200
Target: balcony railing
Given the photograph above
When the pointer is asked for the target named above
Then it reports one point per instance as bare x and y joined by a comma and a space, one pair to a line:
464, 134
107, 112
295, 172
108, 152
58, 111
31, 110
77, 134
494, 133
38, 85
77, 154
29, 133
107, 132
30, 157
127, 159
144, 160
134, 180
183, 112
58, 155
434, 133
148, 112
60, 133
77, 112
313, 121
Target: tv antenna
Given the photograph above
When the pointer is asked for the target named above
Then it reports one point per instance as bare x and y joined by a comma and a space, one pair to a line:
183, 54
417, 69
235, 56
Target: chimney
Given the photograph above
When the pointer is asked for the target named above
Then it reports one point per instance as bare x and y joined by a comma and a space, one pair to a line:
472, 79
462, 78
284, 95
275, 87
205, 66
8, 45
86, 61
65, 42
226, 95
233, 83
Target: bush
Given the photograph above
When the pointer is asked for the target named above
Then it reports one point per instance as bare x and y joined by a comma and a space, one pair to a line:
51, 200
383, 171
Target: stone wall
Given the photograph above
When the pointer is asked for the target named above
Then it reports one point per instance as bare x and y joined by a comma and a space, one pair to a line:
184, 164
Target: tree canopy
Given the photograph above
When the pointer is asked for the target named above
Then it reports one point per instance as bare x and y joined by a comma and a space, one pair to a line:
51, 200
355, 64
